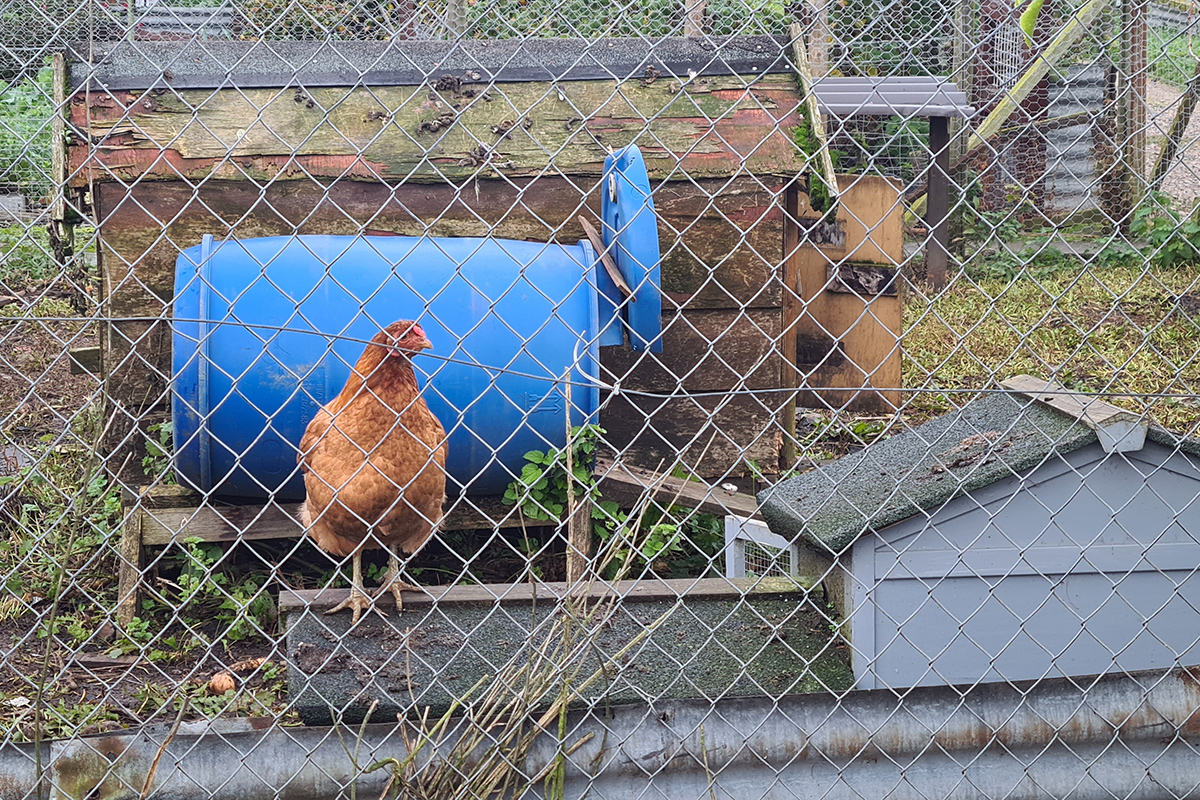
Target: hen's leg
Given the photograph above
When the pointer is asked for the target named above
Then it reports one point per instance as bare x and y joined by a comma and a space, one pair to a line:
358, 601
391, 580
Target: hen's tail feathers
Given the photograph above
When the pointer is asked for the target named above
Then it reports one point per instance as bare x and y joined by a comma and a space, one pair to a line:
305, 515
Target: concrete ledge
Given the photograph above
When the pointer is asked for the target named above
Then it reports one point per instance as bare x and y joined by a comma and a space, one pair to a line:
719, 638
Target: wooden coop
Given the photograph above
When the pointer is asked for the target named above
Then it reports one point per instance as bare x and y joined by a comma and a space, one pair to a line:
505, 139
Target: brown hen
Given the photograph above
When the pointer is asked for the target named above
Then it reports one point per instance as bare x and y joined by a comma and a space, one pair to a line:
374, 462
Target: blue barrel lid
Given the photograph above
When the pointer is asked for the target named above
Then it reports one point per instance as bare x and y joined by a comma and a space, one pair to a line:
627, 210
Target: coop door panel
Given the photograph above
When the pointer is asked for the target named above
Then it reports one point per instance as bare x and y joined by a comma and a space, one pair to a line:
964, 630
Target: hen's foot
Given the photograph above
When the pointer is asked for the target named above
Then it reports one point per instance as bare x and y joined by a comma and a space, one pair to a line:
391, 583
358, 601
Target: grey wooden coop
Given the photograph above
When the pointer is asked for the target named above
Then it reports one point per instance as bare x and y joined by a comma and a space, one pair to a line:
1014, 539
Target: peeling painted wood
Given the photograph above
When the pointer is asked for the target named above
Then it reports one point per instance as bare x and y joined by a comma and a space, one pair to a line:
713, 127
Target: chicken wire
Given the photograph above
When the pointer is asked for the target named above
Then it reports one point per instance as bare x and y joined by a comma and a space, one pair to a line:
969, 559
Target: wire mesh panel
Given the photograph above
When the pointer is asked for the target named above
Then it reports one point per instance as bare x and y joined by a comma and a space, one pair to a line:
639, 399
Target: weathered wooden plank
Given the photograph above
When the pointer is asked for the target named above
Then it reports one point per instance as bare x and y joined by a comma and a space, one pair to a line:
722, 241
703, 351
714, 126
161, 526
847, 350
628, 485
657, 432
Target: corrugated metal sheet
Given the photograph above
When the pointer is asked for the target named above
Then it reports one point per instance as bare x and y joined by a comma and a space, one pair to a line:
905, 96
164, 20
1128, 736
1168, 15
1072, 178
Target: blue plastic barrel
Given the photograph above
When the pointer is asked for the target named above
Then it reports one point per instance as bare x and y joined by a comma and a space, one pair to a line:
267, 330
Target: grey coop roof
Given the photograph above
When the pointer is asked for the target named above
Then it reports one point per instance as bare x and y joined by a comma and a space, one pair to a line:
927, 96
994, 437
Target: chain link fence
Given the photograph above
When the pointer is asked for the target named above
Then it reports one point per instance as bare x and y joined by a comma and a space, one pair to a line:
811, 408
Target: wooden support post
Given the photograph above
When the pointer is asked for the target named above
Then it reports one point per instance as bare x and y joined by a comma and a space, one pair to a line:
129, 571
61, 243
693, 17
1131, 110
937, 247
792, 307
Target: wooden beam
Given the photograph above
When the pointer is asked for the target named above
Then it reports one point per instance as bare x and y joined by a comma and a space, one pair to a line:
718, 127
1183, 118
232, 523
627, 485
824, 168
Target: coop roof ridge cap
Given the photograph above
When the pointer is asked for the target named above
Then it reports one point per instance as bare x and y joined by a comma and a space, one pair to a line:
207, 64
1119, 430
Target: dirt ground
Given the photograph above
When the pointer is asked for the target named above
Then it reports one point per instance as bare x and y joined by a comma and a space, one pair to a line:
38, 394
1183, 180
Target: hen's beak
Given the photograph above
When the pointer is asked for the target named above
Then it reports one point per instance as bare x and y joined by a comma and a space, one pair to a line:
411, 348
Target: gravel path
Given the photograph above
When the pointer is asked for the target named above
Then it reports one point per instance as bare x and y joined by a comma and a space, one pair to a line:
1183, 180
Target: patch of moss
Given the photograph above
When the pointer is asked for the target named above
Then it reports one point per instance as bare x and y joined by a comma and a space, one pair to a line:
820, 195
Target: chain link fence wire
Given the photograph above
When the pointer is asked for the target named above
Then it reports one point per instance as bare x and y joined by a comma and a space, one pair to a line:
886, 488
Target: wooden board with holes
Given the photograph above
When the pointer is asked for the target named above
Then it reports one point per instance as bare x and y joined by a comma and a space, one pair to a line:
847, 343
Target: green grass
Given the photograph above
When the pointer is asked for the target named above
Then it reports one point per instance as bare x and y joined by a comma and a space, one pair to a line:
1132, 328
1169, 56
25, 112
25, 258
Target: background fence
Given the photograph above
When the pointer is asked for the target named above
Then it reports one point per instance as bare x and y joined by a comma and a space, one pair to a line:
887, 488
